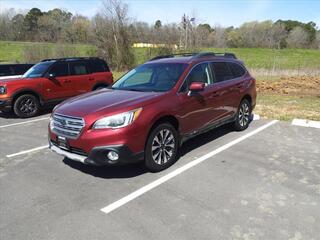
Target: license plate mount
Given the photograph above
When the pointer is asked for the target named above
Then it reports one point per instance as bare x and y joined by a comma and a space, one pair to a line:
63, 142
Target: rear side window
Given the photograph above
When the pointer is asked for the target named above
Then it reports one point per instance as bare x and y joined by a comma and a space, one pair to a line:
99, 66
6, 71
60, 69
237, 70
78, 68
221, 71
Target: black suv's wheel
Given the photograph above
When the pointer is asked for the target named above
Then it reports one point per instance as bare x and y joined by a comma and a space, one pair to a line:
243, 116
162, 147
26, 106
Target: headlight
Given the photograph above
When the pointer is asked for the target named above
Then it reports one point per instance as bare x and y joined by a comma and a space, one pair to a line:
117, 121
2, 90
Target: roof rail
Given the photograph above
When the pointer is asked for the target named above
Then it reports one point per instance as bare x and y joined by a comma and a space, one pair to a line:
68, 58
173, 55
213, 54
196, 55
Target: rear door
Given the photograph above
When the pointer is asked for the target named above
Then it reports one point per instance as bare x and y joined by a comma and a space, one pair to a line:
100, 72
59, 87
80, 77
225, 82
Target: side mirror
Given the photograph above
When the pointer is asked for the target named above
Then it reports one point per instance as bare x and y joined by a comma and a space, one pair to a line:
197, 86
51, 76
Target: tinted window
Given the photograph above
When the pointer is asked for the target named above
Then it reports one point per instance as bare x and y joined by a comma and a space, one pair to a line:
99, 66
78, 68
237, 70
221, 71
59, 69
6, 71
200, 73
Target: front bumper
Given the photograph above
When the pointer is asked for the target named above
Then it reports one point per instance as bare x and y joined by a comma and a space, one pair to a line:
5, 104
98, 155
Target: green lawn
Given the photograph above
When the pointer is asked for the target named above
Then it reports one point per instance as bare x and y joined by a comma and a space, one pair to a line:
254, 58
12, 52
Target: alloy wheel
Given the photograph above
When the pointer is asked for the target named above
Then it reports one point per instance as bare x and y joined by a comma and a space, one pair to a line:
163, 146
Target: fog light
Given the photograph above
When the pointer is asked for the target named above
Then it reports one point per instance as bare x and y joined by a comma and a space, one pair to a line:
113, 156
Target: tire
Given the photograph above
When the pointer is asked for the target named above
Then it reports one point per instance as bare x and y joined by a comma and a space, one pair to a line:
26, 105
161, 153
243, 116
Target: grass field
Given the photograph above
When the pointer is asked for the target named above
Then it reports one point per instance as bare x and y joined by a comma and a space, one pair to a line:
279, 96
13, 52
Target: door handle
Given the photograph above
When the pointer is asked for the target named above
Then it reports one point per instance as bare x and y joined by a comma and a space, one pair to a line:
91, 79
67, 81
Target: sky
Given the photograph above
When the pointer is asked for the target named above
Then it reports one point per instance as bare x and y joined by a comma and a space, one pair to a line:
214, 12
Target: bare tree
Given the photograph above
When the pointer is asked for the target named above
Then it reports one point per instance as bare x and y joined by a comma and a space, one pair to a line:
298, 38
111, 30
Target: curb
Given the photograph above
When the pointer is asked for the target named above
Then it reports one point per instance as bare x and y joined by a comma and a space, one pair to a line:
305, 123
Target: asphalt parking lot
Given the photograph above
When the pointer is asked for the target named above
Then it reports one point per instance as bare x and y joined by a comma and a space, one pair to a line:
263, 183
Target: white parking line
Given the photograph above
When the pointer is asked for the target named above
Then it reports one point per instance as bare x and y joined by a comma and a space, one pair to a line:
25, 122
305, 123
27, 151
176, 172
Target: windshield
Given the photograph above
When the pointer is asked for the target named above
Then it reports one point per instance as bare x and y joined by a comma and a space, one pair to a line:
151, 77
37, 70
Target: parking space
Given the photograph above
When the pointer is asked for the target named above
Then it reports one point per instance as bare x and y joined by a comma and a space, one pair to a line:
263, 183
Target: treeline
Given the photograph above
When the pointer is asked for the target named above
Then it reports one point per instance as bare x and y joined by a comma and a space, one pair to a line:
113, 31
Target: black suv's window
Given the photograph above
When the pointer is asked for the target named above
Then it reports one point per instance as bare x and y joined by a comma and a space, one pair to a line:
60, 69
78, 68
98, 66
221, 71
237, 70
6, 71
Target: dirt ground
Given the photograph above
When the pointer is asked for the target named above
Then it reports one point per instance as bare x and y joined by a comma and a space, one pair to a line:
286, 98
294, 86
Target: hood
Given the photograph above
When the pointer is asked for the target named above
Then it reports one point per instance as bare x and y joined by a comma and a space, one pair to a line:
106, 102
9, 79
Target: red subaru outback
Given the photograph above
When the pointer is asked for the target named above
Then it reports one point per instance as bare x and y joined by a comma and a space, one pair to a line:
149, 112
52, 81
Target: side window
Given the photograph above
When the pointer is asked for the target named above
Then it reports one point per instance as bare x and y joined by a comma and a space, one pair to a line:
200, 73
59, 69
98, 66
221, 71
237, 70
78, 68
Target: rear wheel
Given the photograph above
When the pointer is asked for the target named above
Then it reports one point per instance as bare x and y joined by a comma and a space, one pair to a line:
243, 116
26, 106
162, 147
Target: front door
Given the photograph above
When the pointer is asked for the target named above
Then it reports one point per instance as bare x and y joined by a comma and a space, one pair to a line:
196, 110
58, 87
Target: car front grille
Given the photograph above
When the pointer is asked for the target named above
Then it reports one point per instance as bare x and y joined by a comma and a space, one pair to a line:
66, 126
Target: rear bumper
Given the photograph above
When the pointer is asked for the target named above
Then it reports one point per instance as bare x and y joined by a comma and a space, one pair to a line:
99, 155
5, 104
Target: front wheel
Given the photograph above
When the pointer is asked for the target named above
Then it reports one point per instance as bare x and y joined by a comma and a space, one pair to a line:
243, 116
162, 147
26, 106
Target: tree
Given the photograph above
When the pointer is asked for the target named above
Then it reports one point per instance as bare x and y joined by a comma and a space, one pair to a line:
158, 24
111, 30
298, 38
31, 22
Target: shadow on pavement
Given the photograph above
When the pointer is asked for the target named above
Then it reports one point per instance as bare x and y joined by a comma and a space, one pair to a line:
11, 115
133, 170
